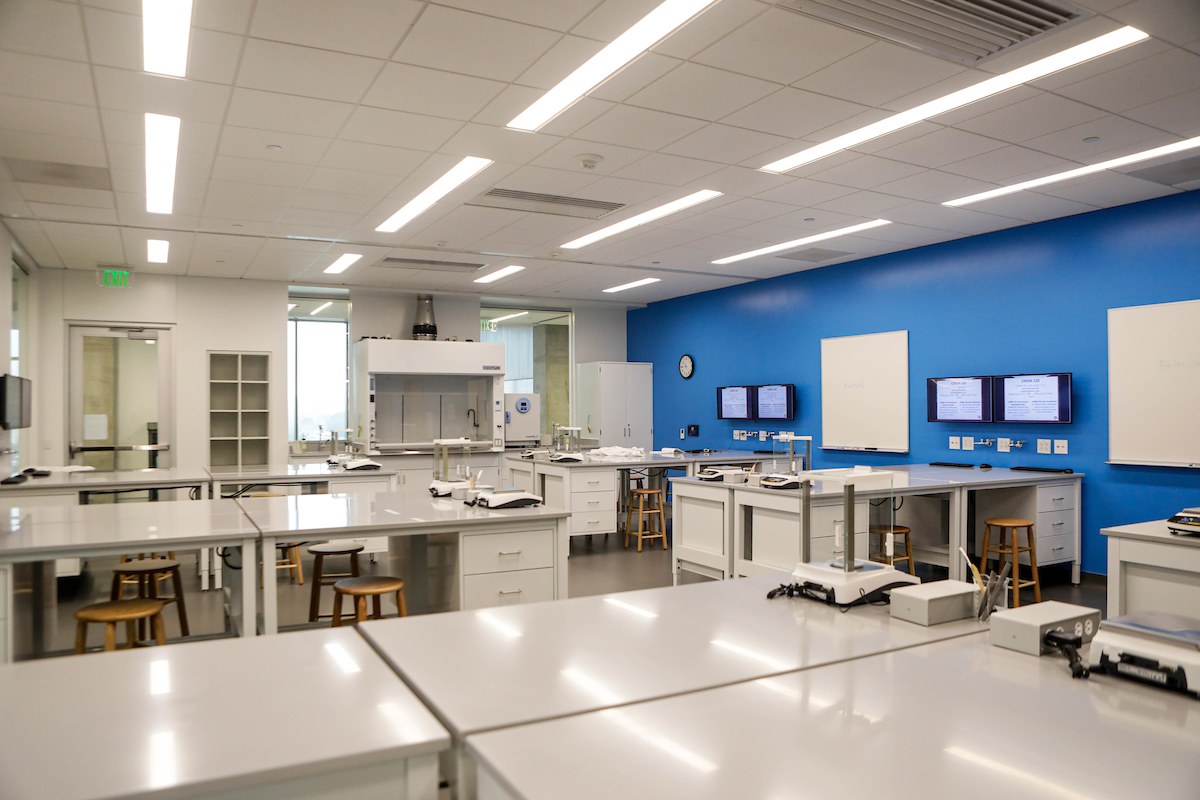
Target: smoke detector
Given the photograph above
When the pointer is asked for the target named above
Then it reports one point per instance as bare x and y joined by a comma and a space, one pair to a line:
589, 160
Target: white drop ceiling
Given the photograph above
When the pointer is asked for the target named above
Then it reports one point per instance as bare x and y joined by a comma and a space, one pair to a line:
318, 119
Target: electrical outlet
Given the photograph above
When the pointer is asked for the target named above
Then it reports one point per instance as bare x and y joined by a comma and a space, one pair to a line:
1043, 446
1003, 445
1060, 447
955, 443
762, 436
681, 433
968, 443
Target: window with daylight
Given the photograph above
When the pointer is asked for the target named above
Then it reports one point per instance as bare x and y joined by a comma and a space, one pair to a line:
318, 360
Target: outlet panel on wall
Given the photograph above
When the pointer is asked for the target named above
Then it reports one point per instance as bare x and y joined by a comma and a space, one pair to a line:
1060, 447
1043, 446
968, 443
1003, 445
955, 443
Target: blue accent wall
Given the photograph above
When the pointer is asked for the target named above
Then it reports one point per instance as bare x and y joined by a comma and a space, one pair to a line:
1029, 299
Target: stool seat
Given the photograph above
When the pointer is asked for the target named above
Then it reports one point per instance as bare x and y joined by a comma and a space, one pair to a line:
111, 612
362, 587
1008, 522
144, 566
146, 573
321, 551
336, 548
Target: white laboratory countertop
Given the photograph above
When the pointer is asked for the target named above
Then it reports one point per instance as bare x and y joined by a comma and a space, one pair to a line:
98, 480
205, 716
1151, 532
946, 721
35, 532
319, 514
318, 470
652, 459
497, 667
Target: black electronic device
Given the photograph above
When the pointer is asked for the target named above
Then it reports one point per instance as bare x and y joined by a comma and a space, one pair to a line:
735, 402
775, 401
1036, 398
950, 464
16, 397
964, 399
1064, 470
40, 473
18, 478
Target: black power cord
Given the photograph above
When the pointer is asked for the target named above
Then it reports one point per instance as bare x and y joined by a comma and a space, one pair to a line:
1069, 645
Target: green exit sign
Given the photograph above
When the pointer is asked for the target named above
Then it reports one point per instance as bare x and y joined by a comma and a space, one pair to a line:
109, 276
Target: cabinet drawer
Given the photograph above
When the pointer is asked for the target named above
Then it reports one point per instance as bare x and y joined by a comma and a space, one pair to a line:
505, 552
594, 521
508, 588
1055, 523
822, 548
593, 501
1053, 549
1055, 498
824, 517
594, 481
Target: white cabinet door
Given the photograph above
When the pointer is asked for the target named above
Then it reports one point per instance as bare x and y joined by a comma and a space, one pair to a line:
639, 406
611, 393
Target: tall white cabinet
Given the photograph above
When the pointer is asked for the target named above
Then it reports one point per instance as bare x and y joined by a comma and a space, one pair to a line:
614, 403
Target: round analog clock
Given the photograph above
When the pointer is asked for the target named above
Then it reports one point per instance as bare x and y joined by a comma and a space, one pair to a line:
687, 366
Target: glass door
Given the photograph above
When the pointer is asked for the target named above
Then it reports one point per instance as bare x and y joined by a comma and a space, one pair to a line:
119, 397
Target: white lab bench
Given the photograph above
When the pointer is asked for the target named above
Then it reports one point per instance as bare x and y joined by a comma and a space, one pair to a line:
82, 484
313, 715
944, 721
481, 557
1151, 569
496, 668
45, 533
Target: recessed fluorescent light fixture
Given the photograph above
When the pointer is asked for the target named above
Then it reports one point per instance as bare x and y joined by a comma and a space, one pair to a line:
320, 308
457, 175
343, 263
1145, 155
645, 33
162, 150
166, 28
695, 198
1070, 57
503, 272
820, 237
634, 285
291, 306
509, 316
156, 250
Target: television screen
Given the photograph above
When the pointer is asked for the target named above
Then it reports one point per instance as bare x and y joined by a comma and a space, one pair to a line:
1033, 398
775, 401
733, 402
17, 397
966, 399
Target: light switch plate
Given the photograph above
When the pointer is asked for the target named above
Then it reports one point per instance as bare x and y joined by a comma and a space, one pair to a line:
1060, 447
681, 432
1044, 446
968, 443
954, 443
1002, 445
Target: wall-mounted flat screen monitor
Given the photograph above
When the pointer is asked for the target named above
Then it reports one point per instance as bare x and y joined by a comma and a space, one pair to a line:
775, 401
16, 394
734, 402
967, 399
1033, 398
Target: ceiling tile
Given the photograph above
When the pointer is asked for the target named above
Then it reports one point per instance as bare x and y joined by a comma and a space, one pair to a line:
364, 27
669, 170
58, 149
1108, 189
43, 28
461, 226
463, 42
805, 192
12, 205
1150, 79
63, 213
398, 129
231, 16
498, 144
561, 15
1036, 116
879, 74
271, 111
942, 146
1034, 207
258, 194
363, 157
291, 147
115, 40
559, 61
336, 201
83, 246
866, 172
702, 92
1117, 136
326, 179
403, 87
644, 70
565, 155
42, 116
1179, 114
35, 241
931, 185
1175, 21
638, 127
725, 144
1000, 165
793, 113
332, 223
863, 204
46, 78
66, 195
306, 71
140, 92
686, 42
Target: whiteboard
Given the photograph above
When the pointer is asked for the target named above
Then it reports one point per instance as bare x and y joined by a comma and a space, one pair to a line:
864, 392
1154, 384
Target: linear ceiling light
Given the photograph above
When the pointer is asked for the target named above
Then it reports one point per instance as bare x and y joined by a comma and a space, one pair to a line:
156, 250
634, 285
509, 316
166, 28
673, 207
645, 33
291, 306
343, 263
1030, 72
503, 272
162, 151
1145, 155
320, 308
459, 174
820, 237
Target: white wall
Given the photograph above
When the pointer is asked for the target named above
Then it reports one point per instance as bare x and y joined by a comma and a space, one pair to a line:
599, 333
6, 301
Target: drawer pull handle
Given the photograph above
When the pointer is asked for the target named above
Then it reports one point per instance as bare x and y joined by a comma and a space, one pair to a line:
594, 522
593, 502
592, 482
511, 591
1056, 524
509, 553
1056, 549
1057, 499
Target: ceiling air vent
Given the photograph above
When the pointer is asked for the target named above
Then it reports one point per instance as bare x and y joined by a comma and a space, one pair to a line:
963, 31
50, 173
427, 265
815, 255
1182, 172
517, 200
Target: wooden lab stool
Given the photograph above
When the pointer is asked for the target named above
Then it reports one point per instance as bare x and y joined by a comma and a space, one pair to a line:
644, 530
289, 559
1004, 551
148, 572
373, 586
131, 612
321, 578
896, 531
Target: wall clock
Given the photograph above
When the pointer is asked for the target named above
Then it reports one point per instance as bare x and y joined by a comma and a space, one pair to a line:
687, 366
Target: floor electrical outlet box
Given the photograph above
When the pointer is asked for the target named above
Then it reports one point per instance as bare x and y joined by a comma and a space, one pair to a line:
935, 602
1024, 629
